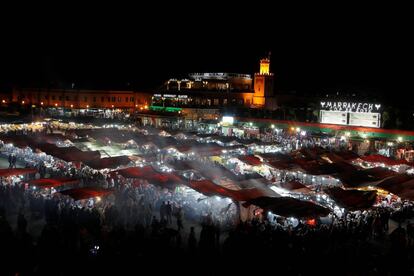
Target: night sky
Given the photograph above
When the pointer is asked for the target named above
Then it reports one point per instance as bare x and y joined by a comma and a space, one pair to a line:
310, 56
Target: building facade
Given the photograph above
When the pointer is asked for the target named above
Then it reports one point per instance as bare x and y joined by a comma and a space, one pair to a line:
80, 99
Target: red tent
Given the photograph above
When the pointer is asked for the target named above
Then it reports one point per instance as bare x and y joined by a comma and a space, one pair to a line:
250, 160
16, 171
209, 188
152, 176
295, 186
290, 207
377, 158
352, 199
108, 162
136, 172
52, 182
87, 192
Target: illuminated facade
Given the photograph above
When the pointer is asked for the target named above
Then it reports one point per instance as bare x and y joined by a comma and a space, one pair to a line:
80, 99
264, 86
211, 90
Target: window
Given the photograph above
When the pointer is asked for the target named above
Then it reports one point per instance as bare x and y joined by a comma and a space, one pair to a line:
53, 97
224, 101
85, 99
94, 99
67, 98
126, 99
109, 99
119, 99
216, 101
102, 99
46, 97
60, 98
132, 99
113, 99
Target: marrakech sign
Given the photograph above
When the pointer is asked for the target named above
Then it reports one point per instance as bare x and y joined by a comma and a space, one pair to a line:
350, 106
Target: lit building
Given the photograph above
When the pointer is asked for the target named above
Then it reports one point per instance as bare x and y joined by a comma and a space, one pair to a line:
214, 90
206, 90
80, 99
264, 86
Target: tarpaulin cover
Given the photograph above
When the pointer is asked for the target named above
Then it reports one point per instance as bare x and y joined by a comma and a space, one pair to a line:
352, 199
294, 186
377, 158
290, 207
86, 192
16, 171
250, 160
108, 162
163, 179
209, 188
400, 185
380, 172
52, 182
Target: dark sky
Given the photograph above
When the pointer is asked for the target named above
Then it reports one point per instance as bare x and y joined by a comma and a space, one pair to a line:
311, 54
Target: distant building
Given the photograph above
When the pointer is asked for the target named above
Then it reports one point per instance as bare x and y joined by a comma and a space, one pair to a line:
214, 90
80, 99
264, 86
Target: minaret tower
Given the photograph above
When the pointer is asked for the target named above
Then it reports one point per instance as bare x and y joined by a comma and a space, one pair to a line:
263, 84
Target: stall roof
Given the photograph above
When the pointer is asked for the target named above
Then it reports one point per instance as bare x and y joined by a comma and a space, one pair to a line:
52, 182
295, 186
377, 158
290, 207
109, 162
209, 188
250, 160
352, 199
87, 192
16, 171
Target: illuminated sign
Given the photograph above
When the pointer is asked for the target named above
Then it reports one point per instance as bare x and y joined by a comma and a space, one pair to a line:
228, 120
157, 95
182, 96
350, 106
334, 117
364, 119
169, 96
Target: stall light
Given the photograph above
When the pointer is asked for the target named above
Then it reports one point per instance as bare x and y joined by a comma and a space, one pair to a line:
71, 106
87, 106
146, 107
343, 138
292, 128
272, 126
390, 144
98, 199
41, 103
22, 102
3, 101
56, 104
400, 139
297, 129
251, 124
303, 133
112, 106
347, 134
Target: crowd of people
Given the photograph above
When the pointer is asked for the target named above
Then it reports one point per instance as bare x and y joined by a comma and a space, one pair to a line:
43, 233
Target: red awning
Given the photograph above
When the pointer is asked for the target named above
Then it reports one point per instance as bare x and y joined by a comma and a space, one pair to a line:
52, 182
108, 162
377, 158
250, 160
209, 188
87, 192
290, 207
163, 179
295, 186
16, 171
352, 199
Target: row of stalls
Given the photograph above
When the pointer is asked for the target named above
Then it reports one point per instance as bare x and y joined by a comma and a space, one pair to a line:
256, 177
